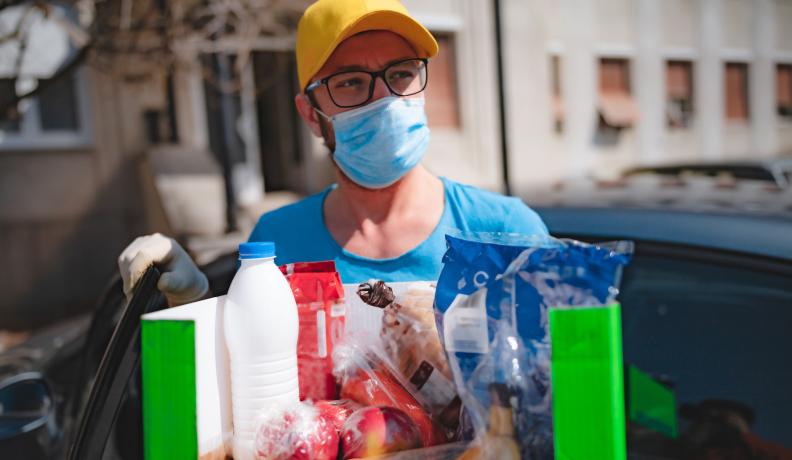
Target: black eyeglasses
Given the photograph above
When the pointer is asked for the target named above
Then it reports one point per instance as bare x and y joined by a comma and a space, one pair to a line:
354, 88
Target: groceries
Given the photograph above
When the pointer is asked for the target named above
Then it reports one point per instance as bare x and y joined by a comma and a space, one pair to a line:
366, 379
338, 411
319, 295
378, 430
498, 295
298, 432
382, 367
261, 329
498, 442
410, 341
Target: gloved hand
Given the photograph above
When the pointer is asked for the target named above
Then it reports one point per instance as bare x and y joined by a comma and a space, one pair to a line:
181, 281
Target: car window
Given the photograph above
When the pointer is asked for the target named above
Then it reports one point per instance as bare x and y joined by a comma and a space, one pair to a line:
717, 336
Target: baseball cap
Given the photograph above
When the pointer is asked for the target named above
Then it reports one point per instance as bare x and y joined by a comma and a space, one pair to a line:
326, 23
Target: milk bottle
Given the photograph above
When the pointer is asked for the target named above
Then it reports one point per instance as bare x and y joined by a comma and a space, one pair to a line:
261, 329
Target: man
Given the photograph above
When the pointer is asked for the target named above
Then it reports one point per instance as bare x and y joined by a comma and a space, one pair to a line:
362, 65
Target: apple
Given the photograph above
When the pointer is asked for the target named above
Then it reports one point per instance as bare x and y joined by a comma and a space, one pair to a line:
376, 430
299, 433
338, 411
378, 387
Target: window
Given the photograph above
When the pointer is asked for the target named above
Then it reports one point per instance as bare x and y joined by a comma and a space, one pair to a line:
441, 90
58, 105
737, 91
679, 93
784, 90
708, 325
52, 118
616, 106
556, 100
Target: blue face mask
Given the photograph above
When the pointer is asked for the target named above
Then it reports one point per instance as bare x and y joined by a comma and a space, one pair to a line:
377, 144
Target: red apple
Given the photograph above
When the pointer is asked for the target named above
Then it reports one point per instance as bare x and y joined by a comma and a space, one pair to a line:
338, 411
380, 388
300, 433
378, 430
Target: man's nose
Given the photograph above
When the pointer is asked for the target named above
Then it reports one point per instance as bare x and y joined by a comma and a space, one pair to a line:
380, 89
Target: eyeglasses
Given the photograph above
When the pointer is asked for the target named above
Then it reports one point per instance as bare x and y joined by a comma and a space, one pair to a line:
354, 88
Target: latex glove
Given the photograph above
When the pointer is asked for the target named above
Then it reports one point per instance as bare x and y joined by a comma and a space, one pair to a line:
181, 280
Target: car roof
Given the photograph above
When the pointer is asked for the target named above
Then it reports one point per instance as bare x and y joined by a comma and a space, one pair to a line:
764, 236
781, 162
692, 194
774, 169
745, 216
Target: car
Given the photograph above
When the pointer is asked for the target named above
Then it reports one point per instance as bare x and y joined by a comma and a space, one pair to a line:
706, 306
706, 314
774, 170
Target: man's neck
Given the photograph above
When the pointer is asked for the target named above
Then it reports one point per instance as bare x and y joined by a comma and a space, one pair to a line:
361, 204
385, 223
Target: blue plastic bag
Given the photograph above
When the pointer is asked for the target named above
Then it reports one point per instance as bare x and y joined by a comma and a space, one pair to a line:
492, 304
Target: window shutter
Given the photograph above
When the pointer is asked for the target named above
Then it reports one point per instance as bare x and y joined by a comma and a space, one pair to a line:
678, 80
784, 85
736, 91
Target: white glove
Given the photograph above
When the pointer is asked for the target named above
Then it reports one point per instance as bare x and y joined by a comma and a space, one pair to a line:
181, 281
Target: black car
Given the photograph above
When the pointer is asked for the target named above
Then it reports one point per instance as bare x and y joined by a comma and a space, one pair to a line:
706, 312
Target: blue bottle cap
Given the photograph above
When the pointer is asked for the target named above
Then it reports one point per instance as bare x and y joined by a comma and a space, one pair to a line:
257, 250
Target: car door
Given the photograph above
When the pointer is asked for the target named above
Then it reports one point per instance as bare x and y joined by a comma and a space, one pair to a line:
111, 424
712, 328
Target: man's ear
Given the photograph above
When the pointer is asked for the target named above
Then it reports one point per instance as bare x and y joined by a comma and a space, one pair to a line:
308, 114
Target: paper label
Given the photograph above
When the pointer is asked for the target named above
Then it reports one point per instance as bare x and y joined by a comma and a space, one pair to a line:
432, 384
321, 334
465, 324
337, 309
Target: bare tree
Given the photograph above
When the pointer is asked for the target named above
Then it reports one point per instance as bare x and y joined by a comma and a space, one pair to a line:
111, 34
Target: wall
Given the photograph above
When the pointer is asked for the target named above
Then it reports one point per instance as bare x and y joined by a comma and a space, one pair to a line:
65, 215
648, 33
471, 152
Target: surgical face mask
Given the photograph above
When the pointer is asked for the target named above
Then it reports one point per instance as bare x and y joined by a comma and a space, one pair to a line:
377, 144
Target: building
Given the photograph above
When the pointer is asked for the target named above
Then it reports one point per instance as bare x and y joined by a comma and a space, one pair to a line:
592, 86
600, 85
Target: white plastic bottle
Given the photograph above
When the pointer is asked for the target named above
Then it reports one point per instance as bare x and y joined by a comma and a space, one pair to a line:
261, 328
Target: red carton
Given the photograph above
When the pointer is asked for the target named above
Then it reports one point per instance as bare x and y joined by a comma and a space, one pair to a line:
319, 294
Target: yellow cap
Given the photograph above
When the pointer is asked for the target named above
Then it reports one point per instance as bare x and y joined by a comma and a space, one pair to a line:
326, 23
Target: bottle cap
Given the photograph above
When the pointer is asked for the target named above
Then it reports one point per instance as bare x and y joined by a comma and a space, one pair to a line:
257, 250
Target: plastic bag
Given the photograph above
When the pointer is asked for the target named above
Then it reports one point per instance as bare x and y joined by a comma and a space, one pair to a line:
494, 295
376, 430
366, 378
411, 345
302, 432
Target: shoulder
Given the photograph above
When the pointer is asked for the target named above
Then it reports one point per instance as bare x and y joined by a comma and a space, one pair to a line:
489, 211
307, 211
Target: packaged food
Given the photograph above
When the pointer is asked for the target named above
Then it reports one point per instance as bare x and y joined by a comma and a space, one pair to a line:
411, 343
495, 295
377, 430
319, 294
338, 411
368, 380
297, 432
498, 442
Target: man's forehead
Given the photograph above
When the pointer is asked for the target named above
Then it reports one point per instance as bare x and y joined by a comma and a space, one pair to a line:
369, 50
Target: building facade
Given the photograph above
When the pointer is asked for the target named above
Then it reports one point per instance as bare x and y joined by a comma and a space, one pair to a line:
597, 86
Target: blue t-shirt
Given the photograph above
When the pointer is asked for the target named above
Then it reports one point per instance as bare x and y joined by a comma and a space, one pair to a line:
300, 234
